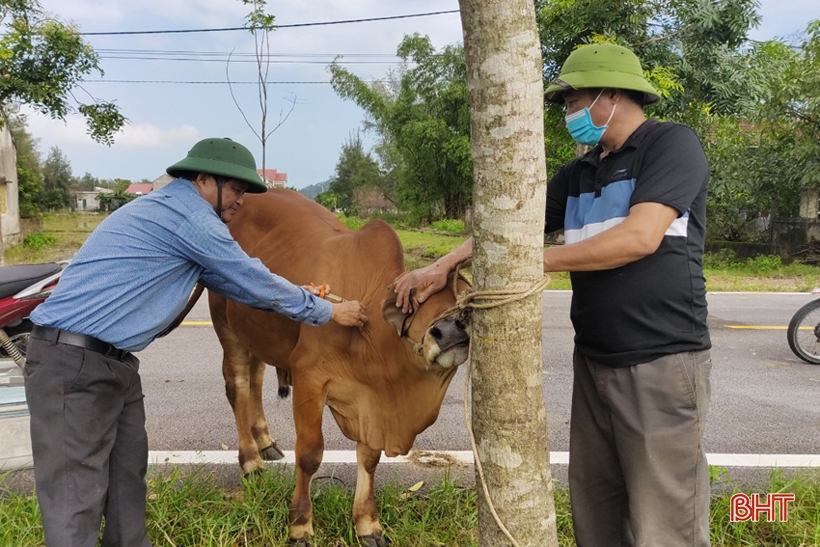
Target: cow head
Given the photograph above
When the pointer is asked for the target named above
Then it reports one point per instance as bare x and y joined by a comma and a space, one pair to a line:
442, 341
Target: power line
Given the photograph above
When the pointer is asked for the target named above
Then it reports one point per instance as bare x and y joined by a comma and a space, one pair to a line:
295, 25
277, 62
239, 57
235, 54
208, 82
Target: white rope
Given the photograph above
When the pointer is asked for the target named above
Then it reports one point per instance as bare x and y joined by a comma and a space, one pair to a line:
492, 299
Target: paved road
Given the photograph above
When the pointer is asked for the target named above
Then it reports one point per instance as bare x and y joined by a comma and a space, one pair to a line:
764, 399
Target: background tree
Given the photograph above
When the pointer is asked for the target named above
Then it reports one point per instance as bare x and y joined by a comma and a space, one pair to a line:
792, 116
260, 24
111, 201
697, 54
327, 200
88, 181
690, 50
355, 169
29, 172
509, 417
42, 62
424, 126
57, 180
119, 185
753, 105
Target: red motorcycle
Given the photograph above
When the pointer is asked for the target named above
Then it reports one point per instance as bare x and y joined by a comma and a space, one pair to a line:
22, 288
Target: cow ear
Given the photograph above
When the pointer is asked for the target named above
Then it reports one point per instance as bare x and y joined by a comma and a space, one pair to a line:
393, 315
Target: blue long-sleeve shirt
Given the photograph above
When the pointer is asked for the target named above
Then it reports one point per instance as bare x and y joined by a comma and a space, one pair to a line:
135, 272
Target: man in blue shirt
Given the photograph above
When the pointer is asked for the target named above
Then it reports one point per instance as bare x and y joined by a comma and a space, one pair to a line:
124, 288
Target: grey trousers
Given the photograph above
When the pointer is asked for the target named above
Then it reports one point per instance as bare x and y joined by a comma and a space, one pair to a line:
89, 444
638, 474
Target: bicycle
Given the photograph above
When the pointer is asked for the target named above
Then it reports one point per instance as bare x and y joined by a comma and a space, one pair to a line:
804, 332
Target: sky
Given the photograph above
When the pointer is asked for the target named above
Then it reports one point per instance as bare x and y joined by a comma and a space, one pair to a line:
166, 119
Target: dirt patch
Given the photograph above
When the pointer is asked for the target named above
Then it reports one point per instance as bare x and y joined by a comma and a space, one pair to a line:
430, 459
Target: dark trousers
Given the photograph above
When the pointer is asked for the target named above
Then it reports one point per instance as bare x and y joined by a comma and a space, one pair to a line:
89, 445
638, 474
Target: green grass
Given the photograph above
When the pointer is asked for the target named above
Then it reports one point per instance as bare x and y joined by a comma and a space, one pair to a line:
727, 272
423, 248
801, 530
61, 235
39, 240
449, 225
191, 509
354, 223
723, 271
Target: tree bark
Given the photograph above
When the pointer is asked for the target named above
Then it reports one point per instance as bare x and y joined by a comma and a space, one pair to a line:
507, 137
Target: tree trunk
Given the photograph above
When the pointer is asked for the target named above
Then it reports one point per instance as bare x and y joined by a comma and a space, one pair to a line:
507, 137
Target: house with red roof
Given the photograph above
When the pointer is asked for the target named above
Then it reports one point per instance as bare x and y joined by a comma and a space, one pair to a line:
139, 189
273, 178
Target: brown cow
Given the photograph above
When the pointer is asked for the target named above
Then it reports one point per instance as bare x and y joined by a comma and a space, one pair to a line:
382, 389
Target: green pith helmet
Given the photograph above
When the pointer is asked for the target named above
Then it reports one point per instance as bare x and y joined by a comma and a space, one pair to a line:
222, 157
601, 65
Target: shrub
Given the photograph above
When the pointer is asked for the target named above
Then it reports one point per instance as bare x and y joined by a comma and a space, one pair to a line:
764, 264
39, 240
722, 260
454, 226
393, 219
352, 222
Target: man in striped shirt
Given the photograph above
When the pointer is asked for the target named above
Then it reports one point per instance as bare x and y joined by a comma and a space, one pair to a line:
633, 212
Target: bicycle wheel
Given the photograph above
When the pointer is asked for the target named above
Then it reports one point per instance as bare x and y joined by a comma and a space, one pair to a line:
804, 332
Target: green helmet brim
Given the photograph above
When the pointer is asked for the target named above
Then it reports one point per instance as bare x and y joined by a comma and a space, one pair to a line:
599, 79
220, 167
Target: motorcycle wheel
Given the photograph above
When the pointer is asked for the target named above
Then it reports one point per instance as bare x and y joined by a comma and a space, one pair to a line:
804, 333
19, 335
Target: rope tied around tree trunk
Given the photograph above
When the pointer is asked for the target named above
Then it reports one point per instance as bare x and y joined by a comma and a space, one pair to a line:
486, 299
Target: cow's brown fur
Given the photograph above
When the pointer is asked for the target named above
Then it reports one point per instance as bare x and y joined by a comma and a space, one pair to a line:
381, 393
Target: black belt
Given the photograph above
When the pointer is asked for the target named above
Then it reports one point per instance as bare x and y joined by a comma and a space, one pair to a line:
58, 336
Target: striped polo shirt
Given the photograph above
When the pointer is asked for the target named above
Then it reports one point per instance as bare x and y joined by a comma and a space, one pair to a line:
654, 306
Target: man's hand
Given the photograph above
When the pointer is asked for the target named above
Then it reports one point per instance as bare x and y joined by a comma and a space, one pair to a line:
424, 281
319, 291
349, 314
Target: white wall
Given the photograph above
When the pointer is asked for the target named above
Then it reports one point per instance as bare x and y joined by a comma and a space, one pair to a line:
8, 186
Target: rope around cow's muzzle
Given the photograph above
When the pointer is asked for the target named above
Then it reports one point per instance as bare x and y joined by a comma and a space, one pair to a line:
471, 299
485, 299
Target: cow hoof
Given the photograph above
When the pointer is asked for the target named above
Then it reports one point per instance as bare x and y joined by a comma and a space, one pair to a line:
272, 453
253, 473
301, 542
373, 540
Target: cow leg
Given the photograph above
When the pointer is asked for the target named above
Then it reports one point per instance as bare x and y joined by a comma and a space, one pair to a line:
307, 415
283, 378
365, 513
236, 369
259, 426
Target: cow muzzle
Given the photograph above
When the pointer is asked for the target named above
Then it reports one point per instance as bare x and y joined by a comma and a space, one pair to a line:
446, 343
